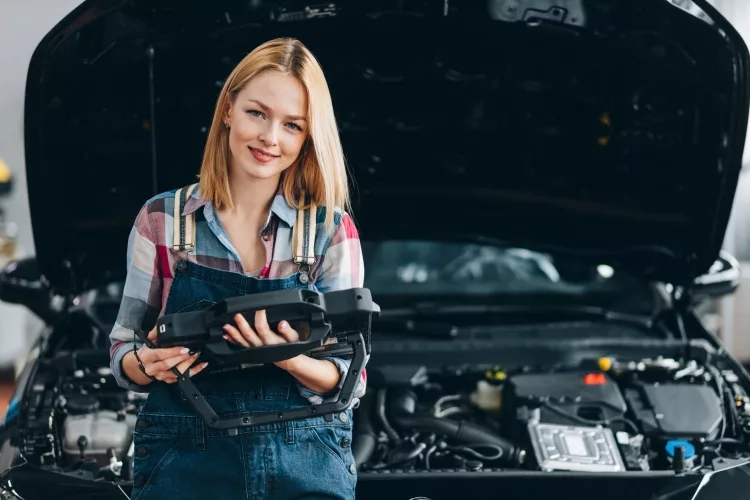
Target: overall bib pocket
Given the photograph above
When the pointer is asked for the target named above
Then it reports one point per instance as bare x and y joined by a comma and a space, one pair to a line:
153, 454
336, 441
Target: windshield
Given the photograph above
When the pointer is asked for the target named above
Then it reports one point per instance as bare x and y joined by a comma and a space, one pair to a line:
435, 268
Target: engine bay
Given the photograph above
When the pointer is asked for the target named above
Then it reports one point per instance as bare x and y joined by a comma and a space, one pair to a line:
78, 421
606, 415
602, 416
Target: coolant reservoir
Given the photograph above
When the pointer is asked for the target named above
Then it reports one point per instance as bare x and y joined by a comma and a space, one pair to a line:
487, 396
102, 430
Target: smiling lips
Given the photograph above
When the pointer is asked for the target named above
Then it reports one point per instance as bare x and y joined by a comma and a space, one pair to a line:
261, 155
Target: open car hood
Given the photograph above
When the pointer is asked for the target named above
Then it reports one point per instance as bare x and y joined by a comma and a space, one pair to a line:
613, 128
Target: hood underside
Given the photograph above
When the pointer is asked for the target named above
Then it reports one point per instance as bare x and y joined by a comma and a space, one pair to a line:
612, 128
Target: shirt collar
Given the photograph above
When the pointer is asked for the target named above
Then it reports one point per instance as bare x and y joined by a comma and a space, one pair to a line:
283, 210
195, 202
279, 206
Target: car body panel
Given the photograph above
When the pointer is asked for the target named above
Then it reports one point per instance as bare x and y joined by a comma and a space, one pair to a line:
617, 135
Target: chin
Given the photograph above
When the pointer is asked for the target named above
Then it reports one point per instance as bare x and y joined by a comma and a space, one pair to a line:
266, 171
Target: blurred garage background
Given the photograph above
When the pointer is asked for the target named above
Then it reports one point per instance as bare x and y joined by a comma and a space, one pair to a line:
22, 25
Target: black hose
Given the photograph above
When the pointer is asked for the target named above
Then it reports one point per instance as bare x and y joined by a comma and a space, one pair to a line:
365, 438
380, 406
585, 421
403, 405
734, 418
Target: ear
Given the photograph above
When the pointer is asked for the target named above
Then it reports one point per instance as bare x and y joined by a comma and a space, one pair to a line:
226, 116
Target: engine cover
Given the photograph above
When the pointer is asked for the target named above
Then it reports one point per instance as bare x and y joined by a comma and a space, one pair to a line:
592, 396
673, 411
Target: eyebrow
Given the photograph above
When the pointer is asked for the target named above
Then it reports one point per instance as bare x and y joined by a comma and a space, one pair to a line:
266, 108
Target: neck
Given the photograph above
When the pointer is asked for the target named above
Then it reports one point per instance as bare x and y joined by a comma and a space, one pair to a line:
252, 197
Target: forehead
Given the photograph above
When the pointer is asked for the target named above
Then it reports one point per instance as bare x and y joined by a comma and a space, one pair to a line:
282, 93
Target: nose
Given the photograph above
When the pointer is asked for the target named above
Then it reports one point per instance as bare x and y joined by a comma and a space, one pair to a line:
269, 135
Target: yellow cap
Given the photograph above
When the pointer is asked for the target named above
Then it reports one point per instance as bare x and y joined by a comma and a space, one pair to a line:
605, 364
4, 171
495, 374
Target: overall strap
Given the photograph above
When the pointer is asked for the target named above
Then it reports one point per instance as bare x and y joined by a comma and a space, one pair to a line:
303, 238
184, 226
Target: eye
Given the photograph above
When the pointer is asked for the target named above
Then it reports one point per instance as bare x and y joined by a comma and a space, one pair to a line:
294, 126
255, 112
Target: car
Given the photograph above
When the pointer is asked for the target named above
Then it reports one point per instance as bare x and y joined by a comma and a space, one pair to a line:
541, 188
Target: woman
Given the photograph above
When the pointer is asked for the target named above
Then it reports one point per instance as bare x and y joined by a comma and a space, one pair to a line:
272, 153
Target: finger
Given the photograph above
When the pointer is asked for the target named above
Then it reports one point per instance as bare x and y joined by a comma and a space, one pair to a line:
181, 366
184, 365
247, 330
164, 365
193, 371
264, 331
289, 333
235, 336
152, 335
165, 353
197, 369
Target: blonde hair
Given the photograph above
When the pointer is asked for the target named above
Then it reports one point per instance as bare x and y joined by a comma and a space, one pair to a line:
320, 169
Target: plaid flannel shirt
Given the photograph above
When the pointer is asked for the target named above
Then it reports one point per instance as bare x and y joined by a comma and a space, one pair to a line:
151, 263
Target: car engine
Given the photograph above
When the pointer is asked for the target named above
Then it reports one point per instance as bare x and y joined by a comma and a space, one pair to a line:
78, 420
603, 415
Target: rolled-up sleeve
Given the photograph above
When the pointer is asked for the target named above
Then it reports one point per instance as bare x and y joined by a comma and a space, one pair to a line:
342, 267
141, 301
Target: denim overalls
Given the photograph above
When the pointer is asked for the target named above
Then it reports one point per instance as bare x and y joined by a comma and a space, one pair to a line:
178, 457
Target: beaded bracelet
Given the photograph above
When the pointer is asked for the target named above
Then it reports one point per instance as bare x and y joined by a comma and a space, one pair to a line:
140, 365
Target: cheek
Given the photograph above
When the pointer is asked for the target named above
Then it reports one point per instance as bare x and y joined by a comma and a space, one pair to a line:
235, 143
244, 130
293, 146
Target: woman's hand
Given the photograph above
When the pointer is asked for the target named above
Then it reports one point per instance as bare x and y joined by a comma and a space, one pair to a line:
261, 335
159, 362
316, 374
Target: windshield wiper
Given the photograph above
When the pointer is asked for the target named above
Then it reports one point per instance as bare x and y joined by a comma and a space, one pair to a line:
435, 319
419, 327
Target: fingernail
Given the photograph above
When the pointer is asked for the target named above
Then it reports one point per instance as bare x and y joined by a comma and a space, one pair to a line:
204, 365
185, 351
194, 353
284, 325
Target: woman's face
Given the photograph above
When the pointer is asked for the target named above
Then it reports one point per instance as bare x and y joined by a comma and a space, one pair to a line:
267, 125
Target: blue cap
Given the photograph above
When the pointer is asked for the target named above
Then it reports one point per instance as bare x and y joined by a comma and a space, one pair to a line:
689, 448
